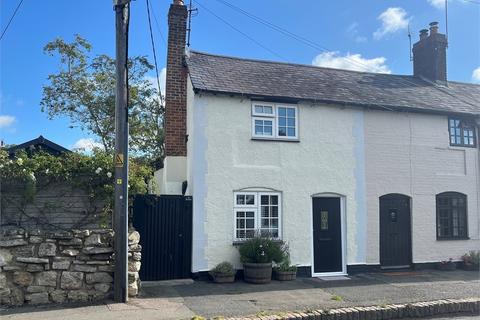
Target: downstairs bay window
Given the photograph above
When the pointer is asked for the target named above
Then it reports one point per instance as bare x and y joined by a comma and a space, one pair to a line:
257, 213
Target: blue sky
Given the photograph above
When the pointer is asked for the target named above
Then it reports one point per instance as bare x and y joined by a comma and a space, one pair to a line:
373, 33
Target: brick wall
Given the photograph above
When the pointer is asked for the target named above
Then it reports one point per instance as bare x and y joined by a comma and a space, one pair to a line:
176, 83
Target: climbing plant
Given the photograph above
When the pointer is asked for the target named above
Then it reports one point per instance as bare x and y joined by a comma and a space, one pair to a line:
92, 174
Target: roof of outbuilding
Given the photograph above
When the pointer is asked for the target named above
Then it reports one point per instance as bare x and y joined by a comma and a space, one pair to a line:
276, 80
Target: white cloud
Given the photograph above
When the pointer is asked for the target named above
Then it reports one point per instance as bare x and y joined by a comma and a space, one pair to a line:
439, 4
352, 30
163, 80
354, 62
393, 20
476, 75
87, 144
6, 121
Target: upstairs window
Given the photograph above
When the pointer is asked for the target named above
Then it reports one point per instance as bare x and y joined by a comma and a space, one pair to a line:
451, 216
462, 133
257, 213
274, 121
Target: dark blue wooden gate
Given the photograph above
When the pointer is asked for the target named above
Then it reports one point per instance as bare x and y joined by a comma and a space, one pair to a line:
165, 227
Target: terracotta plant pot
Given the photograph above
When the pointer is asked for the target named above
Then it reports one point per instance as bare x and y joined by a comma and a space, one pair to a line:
223, 278
285, 275
257, 272
450, 266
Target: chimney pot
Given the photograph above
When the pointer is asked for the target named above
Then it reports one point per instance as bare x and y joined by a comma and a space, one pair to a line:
433, 27
423, 34
178, 2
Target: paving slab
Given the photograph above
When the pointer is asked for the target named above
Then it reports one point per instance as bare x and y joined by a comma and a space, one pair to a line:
183, 300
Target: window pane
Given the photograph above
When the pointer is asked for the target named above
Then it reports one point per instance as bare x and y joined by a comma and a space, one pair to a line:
250, 199
274, 199
250, 223
258, 109
250, 214
258, 130
240, 199
268, 131
264, 199
291, 112
282, 112
291, 122
267, 109
282, 131
282, 121
291, 132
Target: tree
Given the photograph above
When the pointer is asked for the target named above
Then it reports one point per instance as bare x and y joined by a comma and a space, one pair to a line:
83, 89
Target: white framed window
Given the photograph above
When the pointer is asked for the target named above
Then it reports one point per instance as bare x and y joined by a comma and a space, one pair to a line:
274, 121
257, 212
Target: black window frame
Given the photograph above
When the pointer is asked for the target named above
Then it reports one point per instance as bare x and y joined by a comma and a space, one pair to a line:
464, 126
461, 215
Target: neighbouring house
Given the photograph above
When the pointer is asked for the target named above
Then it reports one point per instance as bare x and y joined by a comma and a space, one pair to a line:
37, 145
355, 170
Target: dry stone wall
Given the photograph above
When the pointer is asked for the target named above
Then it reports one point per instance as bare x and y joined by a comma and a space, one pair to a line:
59, 267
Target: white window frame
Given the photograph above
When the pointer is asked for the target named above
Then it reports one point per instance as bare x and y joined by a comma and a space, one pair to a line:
254, 134
257, 211
254, 113
275, 121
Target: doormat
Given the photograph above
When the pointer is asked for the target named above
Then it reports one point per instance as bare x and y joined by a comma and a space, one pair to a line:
404, 273
334, 278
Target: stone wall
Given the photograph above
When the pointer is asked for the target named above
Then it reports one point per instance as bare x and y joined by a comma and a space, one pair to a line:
41, 267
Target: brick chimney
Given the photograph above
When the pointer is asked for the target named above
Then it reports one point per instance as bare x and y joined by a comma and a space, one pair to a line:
430, 55
176, 82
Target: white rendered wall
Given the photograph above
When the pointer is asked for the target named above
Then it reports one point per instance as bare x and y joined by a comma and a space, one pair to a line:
410, 154
223, 158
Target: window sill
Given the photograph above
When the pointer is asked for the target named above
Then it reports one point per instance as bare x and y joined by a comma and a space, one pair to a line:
453, 239
237, 243
275, 139
462, 146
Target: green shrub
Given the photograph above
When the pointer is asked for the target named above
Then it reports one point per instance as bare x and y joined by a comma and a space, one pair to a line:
223, 268
285, 265
472, 258
261, 249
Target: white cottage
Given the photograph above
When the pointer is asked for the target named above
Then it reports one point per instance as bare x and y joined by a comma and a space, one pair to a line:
355, 170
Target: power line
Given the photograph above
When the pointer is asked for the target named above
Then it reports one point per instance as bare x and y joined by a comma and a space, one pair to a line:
240, 31
154, 53
11, 18
158, 27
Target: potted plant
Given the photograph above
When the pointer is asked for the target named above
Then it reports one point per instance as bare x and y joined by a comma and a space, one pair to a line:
446, 265
471, 261
285, 271
223, 272
257, 255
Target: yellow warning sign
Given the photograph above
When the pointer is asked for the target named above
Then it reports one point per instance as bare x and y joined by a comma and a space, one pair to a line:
119, 160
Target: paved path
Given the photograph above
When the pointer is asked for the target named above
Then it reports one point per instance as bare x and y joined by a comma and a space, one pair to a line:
210, 299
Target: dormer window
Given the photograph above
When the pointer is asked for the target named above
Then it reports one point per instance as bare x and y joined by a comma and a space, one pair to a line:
272, 121
462, 133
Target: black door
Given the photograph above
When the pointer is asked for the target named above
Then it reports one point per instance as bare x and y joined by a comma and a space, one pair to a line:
395, 232
165, 227
327, 235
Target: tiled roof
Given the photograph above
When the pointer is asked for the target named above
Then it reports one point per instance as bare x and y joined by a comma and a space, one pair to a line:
277, 80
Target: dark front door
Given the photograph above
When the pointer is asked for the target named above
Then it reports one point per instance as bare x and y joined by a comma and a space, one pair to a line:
395, 237
327, 235
165, 227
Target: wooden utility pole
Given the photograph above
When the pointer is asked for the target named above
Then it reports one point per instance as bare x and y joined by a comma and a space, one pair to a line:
120, 224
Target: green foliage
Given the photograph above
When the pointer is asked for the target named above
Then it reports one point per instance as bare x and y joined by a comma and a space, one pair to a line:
223, 268
94, 174
261, 249
83, 89
285, 265
336, 297
472, 258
